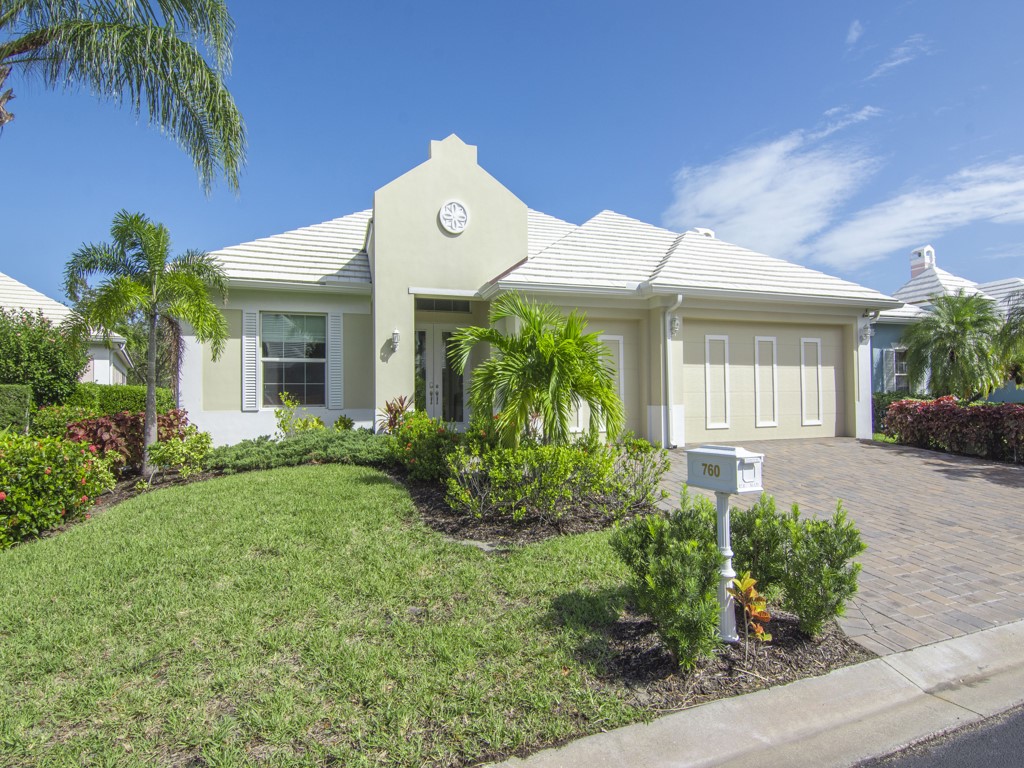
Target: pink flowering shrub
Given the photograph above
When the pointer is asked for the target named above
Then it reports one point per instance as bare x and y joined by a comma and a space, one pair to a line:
993, 431
45, 481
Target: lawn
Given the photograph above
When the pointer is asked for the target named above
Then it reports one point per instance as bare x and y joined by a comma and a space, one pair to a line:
294, 617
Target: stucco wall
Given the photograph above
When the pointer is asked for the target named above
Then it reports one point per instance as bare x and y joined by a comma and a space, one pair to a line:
412, 250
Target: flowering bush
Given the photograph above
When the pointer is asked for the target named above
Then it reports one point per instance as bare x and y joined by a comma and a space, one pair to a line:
45, 481
120, 437
993, 431
422, 446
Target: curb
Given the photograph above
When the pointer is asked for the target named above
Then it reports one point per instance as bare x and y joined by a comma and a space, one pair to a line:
835, 721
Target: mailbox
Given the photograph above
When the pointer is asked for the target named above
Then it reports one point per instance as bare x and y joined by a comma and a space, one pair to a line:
724, 469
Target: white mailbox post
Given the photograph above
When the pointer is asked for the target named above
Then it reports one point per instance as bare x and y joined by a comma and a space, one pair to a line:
724, 470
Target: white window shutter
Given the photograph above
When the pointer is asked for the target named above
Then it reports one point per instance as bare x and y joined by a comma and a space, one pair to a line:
889, 358
250, 361
335, 367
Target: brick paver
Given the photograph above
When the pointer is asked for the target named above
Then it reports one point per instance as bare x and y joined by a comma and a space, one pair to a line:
945, 534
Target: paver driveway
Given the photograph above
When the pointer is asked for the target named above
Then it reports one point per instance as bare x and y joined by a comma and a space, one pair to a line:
945, 534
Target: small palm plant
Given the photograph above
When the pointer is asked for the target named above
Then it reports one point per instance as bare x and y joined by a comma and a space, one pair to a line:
956, 347
547, 366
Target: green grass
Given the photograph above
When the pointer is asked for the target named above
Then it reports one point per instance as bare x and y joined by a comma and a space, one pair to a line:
297, 616
881, 437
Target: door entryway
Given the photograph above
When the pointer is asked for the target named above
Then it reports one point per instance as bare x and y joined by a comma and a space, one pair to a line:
439, 391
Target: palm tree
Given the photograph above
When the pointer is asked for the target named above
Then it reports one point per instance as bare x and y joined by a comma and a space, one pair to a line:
547, 366
142, 281
139, 52
956, 347
1011, 338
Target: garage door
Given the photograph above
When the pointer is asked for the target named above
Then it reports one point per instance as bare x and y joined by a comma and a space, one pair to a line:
759, 382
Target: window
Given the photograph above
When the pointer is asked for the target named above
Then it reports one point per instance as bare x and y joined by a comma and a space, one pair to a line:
901, 378
294, 355
442, 305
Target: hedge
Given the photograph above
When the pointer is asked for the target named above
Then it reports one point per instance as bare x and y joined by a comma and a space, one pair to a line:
120, 436
15, 406
880, 402
992, 431
108, 399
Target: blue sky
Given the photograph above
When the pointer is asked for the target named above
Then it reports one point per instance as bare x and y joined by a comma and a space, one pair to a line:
837, 134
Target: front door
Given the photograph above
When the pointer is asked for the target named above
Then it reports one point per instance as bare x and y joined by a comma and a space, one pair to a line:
440, 391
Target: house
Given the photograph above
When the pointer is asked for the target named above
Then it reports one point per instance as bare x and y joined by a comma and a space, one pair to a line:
108, 363
927, 280
711, 341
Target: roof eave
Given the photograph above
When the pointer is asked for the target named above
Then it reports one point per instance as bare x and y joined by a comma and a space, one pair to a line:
328, 284
862, 302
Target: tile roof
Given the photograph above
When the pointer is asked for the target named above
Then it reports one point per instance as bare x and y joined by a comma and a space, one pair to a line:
905, 314
608, 252
698, 262
333, 249
934, 281
612, 252
16, 295
543, 230
1004, 290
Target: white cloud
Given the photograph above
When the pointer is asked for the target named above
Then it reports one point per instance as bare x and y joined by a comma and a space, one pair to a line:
775, 197
854, 33
992, 192
907, 51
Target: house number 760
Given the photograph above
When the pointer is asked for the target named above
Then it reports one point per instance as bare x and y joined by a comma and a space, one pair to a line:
712, 470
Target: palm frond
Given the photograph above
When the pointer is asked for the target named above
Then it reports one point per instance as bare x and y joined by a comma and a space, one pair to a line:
202, 266
149, 68
90, 260
190, 302
113, 300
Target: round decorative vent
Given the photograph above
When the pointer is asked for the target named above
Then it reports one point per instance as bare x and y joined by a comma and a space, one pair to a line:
454, 217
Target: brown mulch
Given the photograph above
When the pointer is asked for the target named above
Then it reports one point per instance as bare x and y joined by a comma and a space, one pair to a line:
638, 662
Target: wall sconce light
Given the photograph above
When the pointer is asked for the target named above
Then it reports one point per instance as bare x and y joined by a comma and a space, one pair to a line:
395, 338
676, 324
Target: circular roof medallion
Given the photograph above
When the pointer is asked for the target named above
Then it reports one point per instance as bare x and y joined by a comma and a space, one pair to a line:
454, 217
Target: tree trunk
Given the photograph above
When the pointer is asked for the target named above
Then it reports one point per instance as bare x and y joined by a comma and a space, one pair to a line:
149, 425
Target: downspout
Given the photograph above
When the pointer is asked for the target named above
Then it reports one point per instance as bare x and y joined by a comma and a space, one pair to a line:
667, 381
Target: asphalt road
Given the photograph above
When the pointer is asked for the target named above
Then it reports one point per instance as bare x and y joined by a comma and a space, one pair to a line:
994, 743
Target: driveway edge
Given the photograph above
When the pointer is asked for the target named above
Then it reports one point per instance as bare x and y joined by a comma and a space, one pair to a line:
834, 721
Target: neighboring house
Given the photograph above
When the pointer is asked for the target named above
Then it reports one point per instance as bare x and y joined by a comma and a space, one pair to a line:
927, 280
108, 363
711, 342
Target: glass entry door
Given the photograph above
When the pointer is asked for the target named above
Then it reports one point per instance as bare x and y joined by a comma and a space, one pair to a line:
439, 390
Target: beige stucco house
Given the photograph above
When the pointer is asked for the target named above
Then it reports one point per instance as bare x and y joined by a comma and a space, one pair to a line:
712, 342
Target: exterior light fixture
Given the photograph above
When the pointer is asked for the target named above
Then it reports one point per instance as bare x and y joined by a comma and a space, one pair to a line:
395, 338
676, 324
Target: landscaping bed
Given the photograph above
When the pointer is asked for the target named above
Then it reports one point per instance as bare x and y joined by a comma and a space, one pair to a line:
306, 616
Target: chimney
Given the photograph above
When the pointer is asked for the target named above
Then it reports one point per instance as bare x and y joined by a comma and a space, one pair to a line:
703, 231
921, 259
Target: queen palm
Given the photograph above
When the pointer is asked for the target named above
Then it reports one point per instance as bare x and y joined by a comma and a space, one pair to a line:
142, 280
956, 347
142, 53
1011, 338
545, 366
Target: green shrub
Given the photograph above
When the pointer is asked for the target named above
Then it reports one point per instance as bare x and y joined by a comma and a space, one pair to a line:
187, 455
53, 420
551, 482
343, 423
674, 567
108, 399
820, 574
422, 446
359, 446
45, 481
289, 423
15, 406
760, 543
35, 352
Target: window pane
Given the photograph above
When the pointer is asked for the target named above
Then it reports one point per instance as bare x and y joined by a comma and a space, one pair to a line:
303, 381
294, 336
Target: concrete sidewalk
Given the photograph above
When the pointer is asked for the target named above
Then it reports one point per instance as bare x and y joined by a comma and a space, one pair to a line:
834, 721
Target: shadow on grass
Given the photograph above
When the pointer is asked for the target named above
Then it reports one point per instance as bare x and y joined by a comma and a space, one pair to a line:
610, 640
